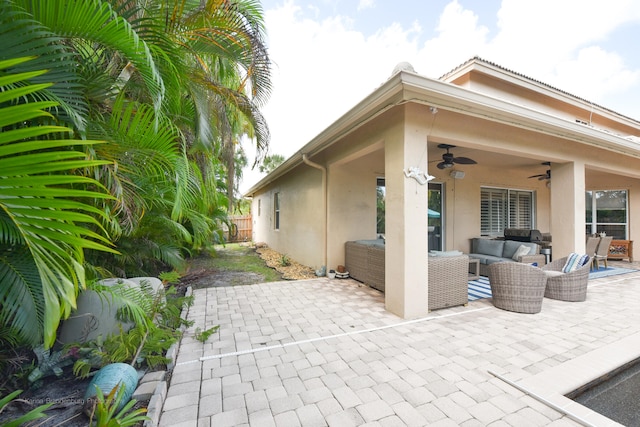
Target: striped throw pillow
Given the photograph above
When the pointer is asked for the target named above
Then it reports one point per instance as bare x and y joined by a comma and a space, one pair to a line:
574, 261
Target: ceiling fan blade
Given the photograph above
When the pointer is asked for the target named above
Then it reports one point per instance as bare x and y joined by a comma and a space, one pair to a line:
464, 161
442, 165
537, 176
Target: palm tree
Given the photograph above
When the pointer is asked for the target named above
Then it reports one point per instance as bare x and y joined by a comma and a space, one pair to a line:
42, 217
166, 85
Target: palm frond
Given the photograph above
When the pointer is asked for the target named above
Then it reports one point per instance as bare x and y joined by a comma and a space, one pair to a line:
23, 37
96, 21
43, 231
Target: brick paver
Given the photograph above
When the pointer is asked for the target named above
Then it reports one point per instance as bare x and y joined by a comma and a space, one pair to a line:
325, 353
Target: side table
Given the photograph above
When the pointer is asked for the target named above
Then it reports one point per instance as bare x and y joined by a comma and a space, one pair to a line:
621, 249
474, 268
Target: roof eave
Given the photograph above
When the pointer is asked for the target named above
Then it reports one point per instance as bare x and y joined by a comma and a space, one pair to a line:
404, 87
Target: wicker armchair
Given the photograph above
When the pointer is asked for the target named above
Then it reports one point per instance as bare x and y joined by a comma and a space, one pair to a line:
566, 286
517, 287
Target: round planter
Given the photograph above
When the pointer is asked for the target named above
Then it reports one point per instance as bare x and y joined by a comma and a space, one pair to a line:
111, 376
95, 315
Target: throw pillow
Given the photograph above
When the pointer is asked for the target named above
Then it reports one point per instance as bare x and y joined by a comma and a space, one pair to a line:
583, 260
521, 251
573, 263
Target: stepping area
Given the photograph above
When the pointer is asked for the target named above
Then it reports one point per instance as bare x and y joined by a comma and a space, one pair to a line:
324, 352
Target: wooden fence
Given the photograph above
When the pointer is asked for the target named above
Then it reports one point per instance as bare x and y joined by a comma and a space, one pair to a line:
240, 230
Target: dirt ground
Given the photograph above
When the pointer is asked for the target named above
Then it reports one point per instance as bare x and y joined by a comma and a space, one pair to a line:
67, 392
202, 275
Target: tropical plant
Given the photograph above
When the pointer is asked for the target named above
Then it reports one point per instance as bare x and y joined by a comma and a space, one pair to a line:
34, 414
158, 325
105, 409
270, 162
170, 87
43, 220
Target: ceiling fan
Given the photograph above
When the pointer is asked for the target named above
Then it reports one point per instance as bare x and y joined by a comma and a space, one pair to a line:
543, 176
448, 160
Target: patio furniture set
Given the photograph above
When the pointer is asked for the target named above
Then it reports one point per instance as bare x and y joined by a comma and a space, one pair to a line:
521, 287
516, 284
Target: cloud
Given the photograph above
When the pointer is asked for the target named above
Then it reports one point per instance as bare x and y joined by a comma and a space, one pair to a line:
459, 37
552, 41
595, 74
366, 4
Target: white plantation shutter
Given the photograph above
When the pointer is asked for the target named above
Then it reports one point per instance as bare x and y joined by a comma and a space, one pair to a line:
503, 208
493, 211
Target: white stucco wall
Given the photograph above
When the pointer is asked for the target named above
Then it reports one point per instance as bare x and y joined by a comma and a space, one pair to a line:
301, 216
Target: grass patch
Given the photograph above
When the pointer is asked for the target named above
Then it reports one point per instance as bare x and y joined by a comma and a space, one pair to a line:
237, 258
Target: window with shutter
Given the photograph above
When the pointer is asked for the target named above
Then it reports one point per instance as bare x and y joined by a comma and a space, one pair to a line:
502, 208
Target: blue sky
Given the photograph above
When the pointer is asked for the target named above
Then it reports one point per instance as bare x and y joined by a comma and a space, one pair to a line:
330, 54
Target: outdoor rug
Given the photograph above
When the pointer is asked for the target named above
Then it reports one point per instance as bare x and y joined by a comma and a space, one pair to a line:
609, 271
480, 288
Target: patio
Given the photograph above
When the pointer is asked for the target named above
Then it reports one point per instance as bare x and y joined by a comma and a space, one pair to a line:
325, 352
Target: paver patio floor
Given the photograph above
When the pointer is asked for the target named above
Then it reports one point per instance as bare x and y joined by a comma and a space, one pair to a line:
325, 352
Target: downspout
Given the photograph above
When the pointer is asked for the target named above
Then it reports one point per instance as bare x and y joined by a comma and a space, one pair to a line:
306, 160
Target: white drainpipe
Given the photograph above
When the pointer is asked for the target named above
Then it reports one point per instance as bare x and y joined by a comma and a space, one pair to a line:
324, 207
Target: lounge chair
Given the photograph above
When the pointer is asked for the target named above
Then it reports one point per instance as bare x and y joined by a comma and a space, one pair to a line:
566, 286
517, 287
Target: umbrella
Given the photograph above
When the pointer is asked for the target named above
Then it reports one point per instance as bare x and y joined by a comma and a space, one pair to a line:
433, 214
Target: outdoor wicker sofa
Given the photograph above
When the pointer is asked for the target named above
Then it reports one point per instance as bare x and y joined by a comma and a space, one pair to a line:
364, 260
448, 275
566, 286
517, 286
489, 251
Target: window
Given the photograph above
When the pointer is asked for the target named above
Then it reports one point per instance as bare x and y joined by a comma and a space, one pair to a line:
276, 211
606, 211
259, 206
502, 208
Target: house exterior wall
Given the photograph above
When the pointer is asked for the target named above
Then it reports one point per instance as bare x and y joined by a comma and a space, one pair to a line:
300, 236
354, 164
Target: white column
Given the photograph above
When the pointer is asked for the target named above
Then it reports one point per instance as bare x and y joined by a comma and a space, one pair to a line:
406, 289
567, 208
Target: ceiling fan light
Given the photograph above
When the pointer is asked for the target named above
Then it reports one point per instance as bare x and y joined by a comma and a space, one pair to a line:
447, 165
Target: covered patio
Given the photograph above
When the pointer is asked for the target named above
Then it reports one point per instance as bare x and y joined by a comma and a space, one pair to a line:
513, 127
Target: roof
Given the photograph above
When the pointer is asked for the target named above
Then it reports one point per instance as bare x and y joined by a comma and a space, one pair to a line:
405, 85
465, 66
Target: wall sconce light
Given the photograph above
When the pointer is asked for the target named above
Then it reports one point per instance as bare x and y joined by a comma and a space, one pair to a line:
457, 174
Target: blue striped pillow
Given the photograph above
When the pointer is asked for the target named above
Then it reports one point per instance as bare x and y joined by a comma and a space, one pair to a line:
574, 261
583, 260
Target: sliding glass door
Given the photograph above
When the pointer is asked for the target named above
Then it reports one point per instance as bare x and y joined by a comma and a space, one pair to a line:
435, 217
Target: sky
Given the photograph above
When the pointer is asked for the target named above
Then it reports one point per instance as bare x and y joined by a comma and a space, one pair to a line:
327, 55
